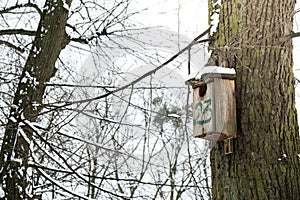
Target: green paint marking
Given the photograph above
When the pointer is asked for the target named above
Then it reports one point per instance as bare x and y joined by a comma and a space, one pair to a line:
203, 112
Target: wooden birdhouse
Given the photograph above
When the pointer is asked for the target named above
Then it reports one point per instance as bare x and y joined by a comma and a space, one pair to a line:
214, 104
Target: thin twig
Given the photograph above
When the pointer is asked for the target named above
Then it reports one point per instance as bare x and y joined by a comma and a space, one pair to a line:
195, 41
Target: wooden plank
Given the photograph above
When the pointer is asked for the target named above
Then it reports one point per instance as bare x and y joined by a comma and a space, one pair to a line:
202, 111
214, 114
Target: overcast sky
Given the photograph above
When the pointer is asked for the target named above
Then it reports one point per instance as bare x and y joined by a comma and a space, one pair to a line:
190, 17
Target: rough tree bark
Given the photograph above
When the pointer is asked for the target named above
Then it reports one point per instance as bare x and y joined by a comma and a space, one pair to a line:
50, 39
251, 37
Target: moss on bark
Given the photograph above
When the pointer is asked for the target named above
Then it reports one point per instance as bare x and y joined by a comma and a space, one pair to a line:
265, 162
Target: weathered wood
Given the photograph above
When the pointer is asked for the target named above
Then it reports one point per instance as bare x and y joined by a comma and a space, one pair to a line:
214, 113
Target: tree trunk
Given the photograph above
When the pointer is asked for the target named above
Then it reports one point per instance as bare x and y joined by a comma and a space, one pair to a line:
265, 163
15, 155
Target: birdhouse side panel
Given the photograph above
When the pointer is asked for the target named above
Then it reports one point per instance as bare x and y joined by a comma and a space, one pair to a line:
225, 107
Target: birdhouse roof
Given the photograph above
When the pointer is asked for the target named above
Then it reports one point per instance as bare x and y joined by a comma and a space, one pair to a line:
211, 71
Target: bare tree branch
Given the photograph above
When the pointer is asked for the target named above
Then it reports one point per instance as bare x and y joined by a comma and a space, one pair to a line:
17, 32
289, 36
70, 168
195, 41
32, 5
86, 40
292, 35
10, 45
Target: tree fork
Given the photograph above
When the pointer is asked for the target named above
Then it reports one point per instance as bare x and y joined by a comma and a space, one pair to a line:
50, 39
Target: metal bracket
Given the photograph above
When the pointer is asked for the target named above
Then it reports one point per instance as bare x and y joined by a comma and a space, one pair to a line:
228, 146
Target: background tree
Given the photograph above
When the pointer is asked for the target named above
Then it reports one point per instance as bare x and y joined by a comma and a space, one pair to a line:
38, 69
254, 37
63, 133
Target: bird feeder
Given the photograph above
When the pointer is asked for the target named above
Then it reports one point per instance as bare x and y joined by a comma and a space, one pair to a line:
214, 104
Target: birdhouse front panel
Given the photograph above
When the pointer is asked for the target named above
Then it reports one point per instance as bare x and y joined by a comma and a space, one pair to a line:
214, 108
203, 109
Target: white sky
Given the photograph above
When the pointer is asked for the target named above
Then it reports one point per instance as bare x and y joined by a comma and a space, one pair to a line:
192, 15
190, 18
